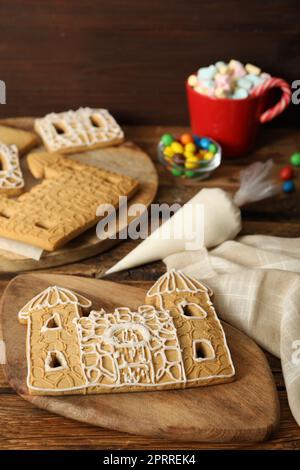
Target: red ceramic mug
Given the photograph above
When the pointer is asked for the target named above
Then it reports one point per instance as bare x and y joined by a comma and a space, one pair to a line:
235, 123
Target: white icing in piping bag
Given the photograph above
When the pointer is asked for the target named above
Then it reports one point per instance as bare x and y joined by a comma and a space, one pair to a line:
221, 221
221, 218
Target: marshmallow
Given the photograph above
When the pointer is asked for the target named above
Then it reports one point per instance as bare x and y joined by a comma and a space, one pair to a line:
232, 80
207, 73
192, 80
253, 69
239, 94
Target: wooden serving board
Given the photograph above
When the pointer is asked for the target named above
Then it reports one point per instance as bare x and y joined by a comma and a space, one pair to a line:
244, 410
127, 159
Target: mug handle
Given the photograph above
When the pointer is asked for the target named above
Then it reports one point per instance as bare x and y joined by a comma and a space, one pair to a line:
274, 82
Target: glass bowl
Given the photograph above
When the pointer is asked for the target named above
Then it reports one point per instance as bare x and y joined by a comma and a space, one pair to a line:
203, 171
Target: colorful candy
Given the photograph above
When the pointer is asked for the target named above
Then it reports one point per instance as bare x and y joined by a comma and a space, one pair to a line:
168, 152
177, 171
295, 159
286, 173
186, 139
204, 143
227, 80
212, 148
167, 139
190, 147
288, 186
177, 147
184, 156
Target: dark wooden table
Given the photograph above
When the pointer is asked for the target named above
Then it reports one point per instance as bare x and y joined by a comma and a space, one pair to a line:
22, 426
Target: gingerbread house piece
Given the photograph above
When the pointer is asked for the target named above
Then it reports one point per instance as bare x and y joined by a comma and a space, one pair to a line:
11, 178
53, 350
76, 131
205, 354
174, 341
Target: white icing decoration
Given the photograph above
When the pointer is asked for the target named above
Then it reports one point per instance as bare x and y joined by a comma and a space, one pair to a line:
11, 176
110, 338
51, 297
128, 340
169, 282
141, 338
78, 129
56, 318
183, 303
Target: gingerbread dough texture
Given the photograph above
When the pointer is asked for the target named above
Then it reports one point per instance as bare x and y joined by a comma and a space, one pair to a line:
80, 130
173, 341
23, 140
64, 204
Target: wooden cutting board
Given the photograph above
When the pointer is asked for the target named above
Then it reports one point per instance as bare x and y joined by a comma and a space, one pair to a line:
127, 159
244, 410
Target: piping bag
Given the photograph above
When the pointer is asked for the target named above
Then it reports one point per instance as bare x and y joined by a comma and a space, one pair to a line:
220, 219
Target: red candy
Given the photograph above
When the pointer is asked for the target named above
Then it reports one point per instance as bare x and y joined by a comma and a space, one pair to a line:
286, 173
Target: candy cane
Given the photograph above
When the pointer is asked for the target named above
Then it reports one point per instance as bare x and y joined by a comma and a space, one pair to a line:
274, 82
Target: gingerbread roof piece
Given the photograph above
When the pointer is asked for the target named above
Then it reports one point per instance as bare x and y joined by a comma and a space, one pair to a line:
177, 281
51, 297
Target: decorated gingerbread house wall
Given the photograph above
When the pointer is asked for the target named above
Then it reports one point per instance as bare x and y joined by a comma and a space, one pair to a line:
175, 340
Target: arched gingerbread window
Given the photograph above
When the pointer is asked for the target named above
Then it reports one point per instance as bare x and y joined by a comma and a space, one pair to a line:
203, 350
191, 310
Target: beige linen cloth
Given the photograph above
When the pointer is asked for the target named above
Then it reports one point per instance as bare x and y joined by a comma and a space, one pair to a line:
256, 284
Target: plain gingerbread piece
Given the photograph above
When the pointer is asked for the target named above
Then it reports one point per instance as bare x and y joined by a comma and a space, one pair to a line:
176, 342
64, 204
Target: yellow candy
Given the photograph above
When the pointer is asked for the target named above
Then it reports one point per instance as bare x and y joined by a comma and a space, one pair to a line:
189, 154
190, 147
177, 147
193, 159
168, 151
191, 165
208, 156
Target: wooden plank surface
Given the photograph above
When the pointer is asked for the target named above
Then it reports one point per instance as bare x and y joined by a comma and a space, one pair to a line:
25, 427
133, 56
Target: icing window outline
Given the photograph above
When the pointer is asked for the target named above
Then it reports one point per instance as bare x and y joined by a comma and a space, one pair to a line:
55, 317
59, 356
184, 303
210, 347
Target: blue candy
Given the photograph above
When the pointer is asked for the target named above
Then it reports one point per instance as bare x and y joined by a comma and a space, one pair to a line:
204, 143
197, 139
288, 186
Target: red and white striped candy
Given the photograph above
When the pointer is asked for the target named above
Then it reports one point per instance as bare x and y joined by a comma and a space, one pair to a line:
274, 82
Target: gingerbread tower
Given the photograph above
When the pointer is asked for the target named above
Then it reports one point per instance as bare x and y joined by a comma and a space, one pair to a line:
53, 347
205, 353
